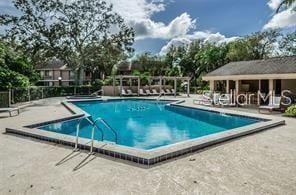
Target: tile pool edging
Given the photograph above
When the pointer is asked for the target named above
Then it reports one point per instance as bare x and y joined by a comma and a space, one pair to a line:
224, 112
145, 157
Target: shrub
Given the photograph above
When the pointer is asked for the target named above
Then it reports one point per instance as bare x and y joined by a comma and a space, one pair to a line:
291, 111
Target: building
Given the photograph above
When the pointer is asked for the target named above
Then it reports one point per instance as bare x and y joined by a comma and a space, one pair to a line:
57, 73
276, 74
127, 68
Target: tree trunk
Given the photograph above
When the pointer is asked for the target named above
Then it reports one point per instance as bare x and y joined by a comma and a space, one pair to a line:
79, 76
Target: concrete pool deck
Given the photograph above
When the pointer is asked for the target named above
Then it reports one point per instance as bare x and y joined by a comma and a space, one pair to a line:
260, 163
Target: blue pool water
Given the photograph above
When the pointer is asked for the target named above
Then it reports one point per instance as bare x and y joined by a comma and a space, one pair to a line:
149, 124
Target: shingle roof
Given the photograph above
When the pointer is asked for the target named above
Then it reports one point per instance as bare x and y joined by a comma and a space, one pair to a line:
53, 64
138, 67
277, 65
127, 66
124, 66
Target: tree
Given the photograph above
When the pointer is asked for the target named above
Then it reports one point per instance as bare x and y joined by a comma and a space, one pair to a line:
238, 51
15, 69
101, 58
210, 57
288, 44
188, 63
259, 45
66, 29
153, 64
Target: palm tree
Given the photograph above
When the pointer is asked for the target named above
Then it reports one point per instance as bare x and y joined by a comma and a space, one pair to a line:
287, 3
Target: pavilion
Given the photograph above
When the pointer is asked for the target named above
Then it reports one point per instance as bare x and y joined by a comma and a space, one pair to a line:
274, 74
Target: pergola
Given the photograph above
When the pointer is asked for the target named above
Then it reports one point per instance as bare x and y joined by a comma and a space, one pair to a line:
159, 78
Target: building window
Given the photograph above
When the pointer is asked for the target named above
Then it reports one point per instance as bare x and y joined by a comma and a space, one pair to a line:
46, 73
87, 73
41, 74
72, 75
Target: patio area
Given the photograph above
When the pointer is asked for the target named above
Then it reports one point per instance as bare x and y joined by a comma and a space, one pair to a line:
259, 163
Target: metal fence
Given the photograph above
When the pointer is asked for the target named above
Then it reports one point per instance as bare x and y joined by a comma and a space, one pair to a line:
4, 99
19, 95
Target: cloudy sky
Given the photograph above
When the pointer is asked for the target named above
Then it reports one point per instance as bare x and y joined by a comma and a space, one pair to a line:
161, 23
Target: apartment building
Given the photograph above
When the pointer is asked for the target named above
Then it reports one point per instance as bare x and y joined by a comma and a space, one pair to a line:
57, 73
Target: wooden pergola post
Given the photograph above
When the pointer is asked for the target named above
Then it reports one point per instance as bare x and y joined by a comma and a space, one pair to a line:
160, 86
188, 87
114, 81
120, 85
175, 86
139, 85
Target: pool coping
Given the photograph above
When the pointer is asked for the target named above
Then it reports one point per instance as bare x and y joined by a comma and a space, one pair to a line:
152, 156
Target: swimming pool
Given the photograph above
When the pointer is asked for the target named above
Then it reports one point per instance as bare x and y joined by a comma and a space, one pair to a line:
149, 124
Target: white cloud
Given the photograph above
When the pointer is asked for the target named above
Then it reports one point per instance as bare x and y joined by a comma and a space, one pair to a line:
146, 28
274, 4
136, 9
180, 41
5, 3
284, 19
205, 36
138, 14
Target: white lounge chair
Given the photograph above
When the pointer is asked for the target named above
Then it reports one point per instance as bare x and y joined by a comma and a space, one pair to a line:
10, 110
225, 100
148, 92
168, 92
173, 92
163, 92
141, 92
274, 104
204, 99
216, 97
124, 93
129, 92
154, 92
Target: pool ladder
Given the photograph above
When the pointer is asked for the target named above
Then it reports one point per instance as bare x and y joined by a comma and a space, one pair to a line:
94, 125
160, 95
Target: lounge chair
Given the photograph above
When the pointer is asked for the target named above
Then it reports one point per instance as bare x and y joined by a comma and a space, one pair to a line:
141, 92
129, 92
173, 92
10, 110
225, 100
148, 92
216, 97
274, 104
163, 92
168, 92
203, 100
124, 93
154, 92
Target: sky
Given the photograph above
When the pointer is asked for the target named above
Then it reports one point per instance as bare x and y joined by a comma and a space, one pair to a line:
161, 23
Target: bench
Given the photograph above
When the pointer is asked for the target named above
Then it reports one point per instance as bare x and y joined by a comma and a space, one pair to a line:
10, 110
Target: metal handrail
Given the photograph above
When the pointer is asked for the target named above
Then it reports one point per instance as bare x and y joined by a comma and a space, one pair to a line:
99, 91
93, 129
108, 126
